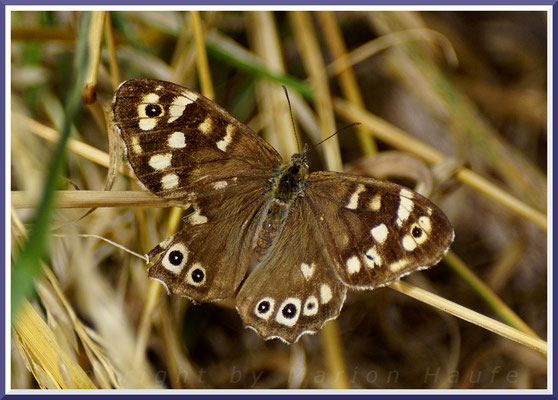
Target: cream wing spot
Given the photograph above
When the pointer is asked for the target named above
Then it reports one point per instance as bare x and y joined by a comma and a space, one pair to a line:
418, 234
149, 102
424, 223
220, 185
205, 126
178, 106
177, 140
196, 218
325, 293
160, 161
398, 265
136, 148
146, 124
376, 203
353, 265
372, 258
151, 98
353, 200
406, 193
406, 206
288, 311
169, 181
307, 270
379, 233
224, 143
409, 243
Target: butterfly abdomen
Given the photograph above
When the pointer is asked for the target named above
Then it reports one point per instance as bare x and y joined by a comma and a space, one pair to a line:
287, 184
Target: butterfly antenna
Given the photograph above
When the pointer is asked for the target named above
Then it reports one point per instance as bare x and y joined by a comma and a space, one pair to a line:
291, 113
339, 130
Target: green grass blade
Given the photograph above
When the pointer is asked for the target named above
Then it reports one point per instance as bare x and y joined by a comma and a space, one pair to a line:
26, 266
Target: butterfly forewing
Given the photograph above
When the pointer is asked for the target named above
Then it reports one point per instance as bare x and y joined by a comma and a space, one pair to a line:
179, 142
376, 231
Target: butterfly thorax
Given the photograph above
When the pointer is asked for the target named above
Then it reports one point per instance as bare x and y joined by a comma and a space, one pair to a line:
289, 179
285, 186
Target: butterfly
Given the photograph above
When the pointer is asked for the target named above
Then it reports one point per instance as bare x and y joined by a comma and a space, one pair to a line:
286, 242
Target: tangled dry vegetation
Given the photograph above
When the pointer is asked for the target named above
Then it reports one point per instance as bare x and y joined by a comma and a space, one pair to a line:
469, 86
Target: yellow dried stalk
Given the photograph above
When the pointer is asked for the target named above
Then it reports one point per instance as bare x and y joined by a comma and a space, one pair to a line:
49, 363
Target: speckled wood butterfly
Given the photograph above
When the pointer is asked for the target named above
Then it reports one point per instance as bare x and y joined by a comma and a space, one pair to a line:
288, 243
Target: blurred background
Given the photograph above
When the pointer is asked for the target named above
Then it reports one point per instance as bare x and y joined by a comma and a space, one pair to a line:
472, 85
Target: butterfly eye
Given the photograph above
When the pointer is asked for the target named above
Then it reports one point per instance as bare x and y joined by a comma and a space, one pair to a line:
416, 232
264, 308
289, 311
420, 230
153, 110
196, 275
311, 306
176, 257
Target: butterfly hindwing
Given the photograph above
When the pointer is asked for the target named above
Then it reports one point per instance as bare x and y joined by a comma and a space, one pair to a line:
295, 289
209, 257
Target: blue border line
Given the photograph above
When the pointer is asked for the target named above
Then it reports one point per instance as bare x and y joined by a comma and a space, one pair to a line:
550, 294
417, 3
3, 117
4, 250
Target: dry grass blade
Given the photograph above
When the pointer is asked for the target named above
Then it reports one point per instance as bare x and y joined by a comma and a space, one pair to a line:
75, 146
416, 68
392, 39
91, 198
347, 77
403, 141
95, 39
275, 112
201, 55
43, 351
314, 64
472, 316
488, 295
